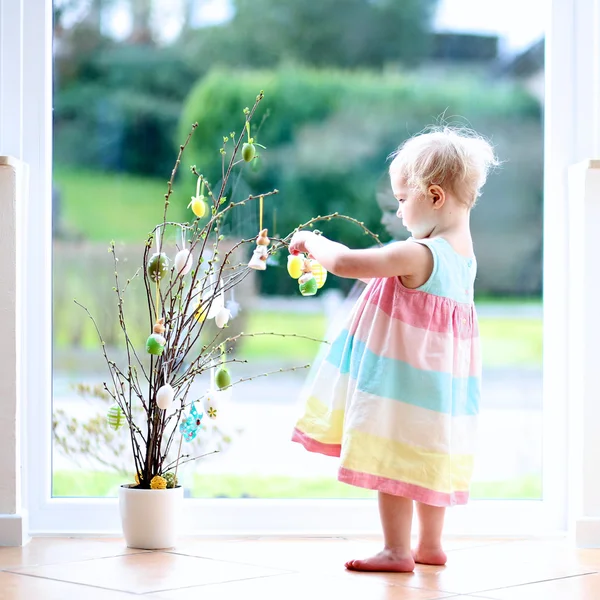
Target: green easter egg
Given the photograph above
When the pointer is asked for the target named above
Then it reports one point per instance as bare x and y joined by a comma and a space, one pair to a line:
155, 344
309, 287
115, 417
222, 378
248, 152
158, 266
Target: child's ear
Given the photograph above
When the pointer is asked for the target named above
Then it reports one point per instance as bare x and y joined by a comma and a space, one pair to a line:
436, 195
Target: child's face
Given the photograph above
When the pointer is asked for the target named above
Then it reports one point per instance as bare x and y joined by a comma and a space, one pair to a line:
413, 208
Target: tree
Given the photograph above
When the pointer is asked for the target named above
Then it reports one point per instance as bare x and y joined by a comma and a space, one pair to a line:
342, 33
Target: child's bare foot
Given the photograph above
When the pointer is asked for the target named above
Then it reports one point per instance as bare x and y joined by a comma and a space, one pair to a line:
430, 556
392, 561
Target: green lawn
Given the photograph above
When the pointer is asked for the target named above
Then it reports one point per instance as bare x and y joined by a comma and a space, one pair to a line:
505, 341
128, 206
101, 484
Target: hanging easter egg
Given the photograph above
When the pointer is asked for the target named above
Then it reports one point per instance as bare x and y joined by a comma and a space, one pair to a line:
155, 344
211, 403
308, 284
294, 266
164, 396
158, 266
222, 378
200, 312
319, 272
115, 417
248, 152
222, 318
183, 262
218, 302
198, 206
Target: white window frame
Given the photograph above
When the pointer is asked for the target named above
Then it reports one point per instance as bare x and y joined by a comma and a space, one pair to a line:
569, 111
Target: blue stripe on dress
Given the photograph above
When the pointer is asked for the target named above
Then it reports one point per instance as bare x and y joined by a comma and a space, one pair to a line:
397, 380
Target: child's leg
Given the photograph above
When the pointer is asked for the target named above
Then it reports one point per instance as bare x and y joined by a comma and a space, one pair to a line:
431, 523
396, 518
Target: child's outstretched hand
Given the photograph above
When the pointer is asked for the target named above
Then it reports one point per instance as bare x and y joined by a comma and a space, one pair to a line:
298, 242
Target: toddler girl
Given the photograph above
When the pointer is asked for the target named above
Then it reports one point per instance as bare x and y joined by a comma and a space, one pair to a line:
397, 397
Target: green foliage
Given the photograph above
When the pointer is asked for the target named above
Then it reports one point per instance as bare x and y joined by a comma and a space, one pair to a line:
103, 484
117, 106
350, 33
329, 133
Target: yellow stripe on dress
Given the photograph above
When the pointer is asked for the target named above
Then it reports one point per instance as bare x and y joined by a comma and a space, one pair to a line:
365, 453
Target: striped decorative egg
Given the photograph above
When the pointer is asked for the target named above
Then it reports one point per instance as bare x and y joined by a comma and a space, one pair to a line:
319, 272
115, 417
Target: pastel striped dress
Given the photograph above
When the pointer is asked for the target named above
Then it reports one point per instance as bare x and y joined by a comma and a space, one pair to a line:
397, 396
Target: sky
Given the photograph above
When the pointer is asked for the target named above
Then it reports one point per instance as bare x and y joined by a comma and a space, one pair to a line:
519, 23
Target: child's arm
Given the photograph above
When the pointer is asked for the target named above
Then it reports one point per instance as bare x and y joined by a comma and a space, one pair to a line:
399, 259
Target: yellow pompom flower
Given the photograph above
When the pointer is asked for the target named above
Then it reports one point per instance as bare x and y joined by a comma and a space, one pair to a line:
158, 483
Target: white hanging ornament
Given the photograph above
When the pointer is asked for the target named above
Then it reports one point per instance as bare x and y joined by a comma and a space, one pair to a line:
217, 304
222, 317
165, 396
232, 305
261, 252
211, 403
183, 262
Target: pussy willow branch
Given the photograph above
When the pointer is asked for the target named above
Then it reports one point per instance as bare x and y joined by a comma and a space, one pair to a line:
239, 142
120, 296
187, 459
335, 215
172, 179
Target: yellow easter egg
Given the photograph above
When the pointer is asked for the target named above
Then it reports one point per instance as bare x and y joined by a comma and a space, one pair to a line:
198, 206
200, 313
319, 272
294, 266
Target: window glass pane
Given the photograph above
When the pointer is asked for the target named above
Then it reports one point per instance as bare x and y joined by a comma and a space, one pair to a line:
343, 88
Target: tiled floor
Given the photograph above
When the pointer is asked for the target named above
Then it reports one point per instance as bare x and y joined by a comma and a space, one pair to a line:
293, 569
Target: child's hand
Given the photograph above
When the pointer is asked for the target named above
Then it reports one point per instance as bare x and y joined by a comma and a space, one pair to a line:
298, 243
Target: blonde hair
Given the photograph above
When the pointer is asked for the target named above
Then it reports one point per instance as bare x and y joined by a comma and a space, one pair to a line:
458, 160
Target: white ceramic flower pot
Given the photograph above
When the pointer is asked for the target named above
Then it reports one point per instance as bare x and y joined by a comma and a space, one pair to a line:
150, 518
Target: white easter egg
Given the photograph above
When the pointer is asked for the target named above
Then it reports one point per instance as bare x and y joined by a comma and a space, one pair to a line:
218, 303
183, 262
222, 317
164, 396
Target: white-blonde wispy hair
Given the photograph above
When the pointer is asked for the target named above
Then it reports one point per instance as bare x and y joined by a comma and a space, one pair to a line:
456, 159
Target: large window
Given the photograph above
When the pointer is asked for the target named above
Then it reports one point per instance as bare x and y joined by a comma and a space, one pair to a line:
129, 79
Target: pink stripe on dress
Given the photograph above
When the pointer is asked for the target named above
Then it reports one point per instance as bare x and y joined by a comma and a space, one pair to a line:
420, 348
399, 488
423, 310
313, 446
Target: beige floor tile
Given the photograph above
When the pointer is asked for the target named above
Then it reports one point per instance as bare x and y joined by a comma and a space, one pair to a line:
584, 587
44, 551
149, 572
321, 556
301, 587
476, 570
23, 587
